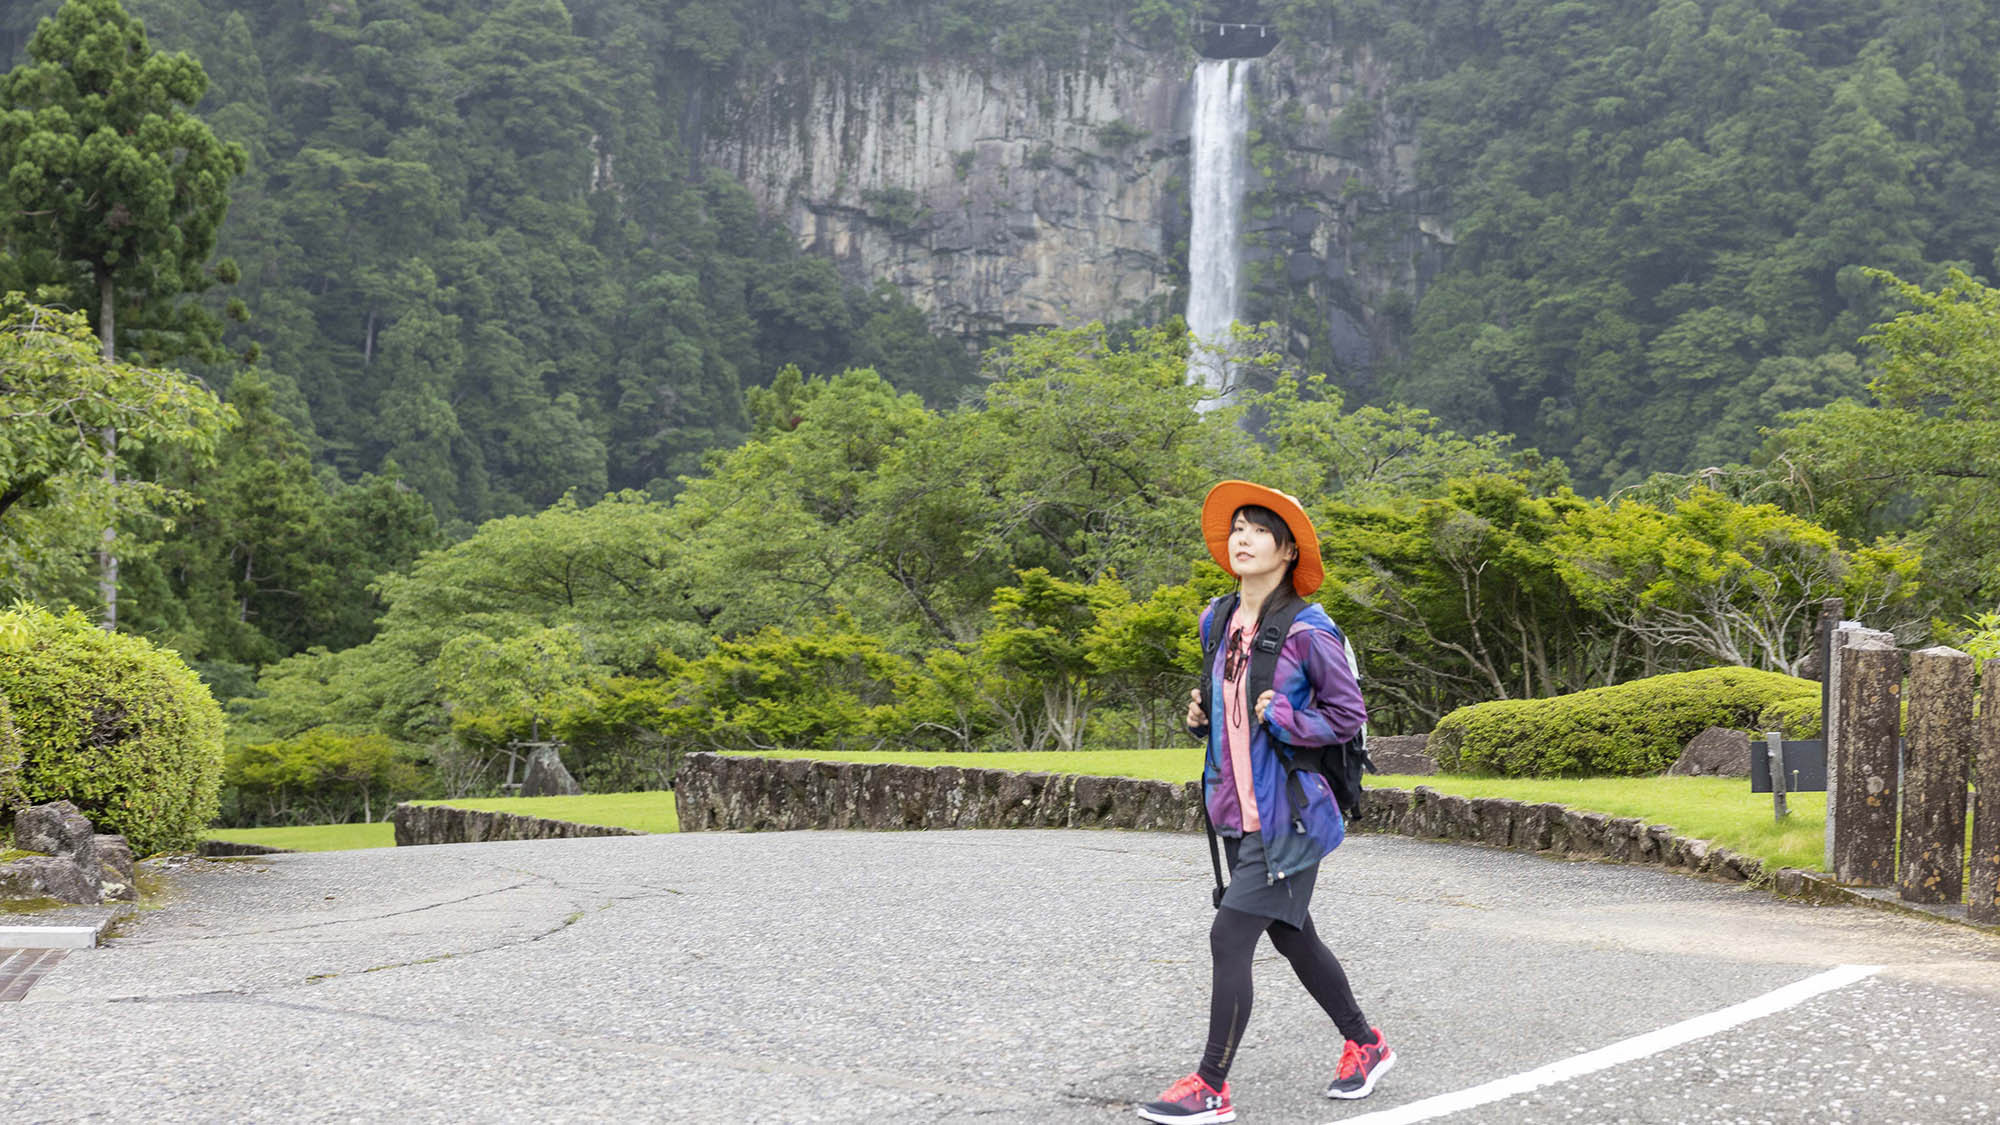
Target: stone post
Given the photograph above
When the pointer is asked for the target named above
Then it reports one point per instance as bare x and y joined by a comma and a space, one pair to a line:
1871, 691
1774, 752
1982, 898
1934, 775
1844, 633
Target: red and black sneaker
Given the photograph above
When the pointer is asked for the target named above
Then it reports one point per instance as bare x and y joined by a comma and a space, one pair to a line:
1191, 1101
1361, 1064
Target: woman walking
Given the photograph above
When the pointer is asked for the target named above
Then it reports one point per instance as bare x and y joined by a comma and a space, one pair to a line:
1276, 821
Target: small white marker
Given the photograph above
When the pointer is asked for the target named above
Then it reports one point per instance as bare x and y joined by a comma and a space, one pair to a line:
48, 937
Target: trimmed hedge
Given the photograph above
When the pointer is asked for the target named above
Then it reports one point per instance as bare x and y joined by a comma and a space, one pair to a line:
1798, 717
1626, 730
123, 730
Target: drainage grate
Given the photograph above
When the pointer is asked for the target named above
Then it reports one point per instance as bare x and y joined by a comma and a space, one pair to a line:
21, 968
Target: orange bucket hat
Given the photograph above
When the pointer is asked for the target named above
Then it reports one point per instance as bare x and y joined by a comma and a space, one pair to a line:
1218, 513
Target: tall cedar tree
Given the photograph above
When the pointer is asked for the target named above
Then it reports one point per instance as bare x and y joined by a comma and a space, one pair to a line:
114, 191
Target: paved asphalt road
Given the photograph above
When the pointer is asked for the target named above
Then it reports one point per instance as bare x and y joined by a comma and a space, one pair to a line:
1000, 977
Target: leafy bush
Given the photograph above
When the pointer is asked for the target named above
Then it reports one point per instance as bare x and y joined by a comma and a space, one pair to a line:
10, 762
833, 688
1628, 729
1980, 636
622, 739
124, 730
1797, 716
319, 777
1119, 135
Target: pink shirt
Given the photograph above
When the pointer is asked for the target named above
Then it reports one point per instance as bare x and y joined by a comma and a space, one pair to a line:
1236, 712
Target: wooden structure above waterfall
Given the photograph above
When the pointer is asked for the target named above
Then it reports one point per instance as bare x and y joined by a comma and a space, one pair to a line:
1234, 29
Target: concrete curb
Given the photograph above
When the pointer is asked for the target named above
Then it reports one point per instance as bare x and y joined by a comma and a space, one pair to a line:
55, 937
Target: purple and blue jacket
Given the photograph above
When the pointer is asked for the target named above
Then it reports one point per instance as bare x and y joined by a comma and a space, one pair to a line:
1316, 701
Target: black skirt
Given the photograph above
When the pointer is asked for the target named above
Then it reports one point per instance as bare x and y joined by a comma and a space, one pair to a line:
1251, 890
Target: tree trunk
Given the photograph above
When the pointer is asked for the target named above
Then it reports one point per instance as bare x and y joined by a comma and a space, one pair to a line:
249, 565
107, 558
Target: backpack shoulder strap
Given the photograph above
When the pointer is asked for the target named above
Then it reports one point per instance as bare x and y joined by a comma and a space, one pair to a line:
1271, 634
1219, 610
1211, 639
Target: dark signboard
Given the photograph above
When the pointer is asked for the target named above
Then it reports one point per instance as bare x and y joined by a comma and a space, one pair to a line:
1805, 766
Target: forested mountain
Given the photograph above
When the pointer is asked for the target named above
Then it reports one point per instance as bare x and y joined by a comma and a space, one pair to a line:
478, 242
1663, 210
474, 247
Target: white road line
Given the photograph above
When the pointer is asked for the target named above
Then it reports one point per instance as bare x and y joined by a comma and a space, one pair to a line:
1637, 1047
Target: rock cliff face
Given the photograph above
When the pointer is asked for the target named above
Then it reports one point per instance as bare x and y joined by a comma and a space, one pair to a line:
996, 200
1001, 200
1344, 237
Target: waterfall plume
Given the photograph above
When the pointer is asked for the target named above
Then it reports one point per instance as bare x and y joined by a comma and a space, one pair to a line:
1218, 142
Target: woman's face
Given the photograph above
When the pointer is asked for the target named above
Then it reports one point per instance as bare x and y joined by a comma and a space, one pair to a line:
1254, 551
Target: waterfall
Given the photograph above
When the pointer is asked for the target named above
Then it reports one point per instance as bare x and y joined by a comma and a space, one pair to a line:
1221, 123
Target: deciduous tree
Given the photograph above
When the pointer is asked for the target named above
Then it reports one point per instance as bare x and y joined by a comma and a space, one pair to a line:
58, 479
1736, 583
1924, 450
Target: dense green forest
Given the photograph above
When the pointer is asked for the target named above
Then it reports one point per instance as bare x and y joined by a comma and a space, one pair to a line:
475, 242
473, 245
508, 413
1662, 211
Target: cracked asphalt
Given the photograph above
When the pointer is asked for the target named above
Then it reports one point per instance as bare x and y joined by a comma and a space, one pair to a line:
1019, 976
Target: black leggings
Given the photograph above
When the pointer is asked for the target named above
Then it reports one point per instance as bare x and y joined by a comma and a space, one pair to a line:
1232, 941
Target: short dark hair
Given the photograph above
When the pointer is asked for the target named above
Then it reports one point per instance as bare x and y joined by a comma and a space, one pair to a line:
1274, 523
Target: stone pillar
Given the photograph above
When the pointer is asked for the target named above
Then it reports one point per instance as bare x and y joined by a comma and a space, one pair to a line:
1871, 692
1844, 633
1934, 775
1982, 898
546, 776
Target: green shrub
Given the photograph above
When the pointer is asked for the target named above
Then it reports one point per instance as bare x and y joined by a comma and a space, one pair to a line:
11, 796
319, 777
1627, 729
1119, 135
1798, 716
124, 730
833, 688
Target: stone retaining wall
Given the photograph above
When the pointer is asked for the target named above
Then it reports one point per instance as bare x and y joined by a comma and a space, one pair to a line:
714, 792
1502, 823
225, 849
442, 824
729, 792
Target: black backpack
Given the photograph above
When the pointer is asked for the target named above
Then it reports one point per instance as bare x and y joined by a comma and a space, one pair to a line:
1342, 763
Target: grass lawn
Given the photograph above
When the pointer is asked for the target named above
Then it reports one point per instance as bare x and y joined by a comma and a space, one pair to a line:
650, 811
1721, 809
1711, 808
311, 837
644, 812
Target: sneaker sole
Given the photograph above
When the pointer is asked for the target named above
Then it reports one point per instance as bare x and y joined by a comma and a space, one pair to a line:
1387, 1064
1209, 1117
